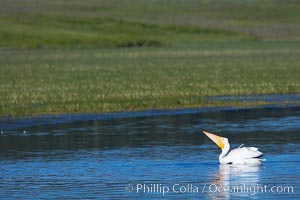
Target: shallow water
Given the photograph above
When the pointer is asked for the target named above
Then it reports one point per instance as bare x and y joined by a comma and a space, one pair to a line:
152, 154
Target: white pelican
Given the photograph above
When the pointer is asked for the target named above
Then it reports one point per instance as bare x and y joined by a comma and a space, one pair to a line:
240, 155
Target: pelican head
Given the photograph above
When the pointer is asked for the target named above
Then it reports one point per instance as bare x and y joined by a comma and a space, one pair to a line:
222, 142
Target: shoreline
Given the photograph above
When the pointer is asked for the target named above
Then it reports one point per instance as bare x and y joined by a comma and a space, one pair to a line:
213, 102
71, 117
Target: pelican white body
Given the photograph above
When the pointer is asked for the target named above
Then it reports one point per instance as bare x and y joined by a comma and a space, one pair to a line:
240, 155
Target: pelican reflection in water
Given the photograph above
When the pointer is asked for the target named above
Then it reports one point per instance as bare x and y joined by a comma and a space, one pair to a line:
235, 181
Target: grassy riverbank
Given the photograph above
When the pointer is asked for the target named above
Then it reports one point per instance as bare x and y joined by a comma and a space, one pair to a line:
46, 81
112, 56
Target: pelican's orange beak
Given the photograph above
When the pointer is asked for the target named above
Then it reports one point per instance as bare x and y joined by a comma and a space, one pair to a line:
217, 139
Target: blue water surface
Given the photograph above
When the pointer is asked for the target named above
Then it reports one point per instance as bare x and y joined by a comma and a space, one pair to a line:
151, 155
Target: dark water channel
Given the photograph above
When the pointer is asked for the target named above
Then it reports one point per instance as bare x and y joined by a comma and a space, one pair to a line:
152, 154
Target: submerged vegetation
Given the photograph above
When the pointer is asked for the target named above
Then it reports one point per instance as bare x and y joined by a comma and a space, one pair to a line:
100, 56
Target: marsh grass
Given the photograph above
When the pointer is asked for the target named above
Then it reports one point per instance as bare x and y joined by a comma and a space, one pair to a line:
89, 81
267, 19
58, 24
110, 55
40, 31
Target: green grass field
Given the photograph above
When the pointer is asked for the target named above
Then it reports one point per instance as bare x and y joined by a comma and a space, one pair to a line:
100, 56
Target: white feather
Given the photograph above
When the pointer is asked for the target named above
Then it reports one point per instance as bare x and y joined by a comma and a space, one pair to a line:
244, 155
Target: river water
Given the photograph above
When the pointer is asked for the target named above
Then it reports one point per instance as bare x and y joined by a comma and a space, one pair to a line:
151, 154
